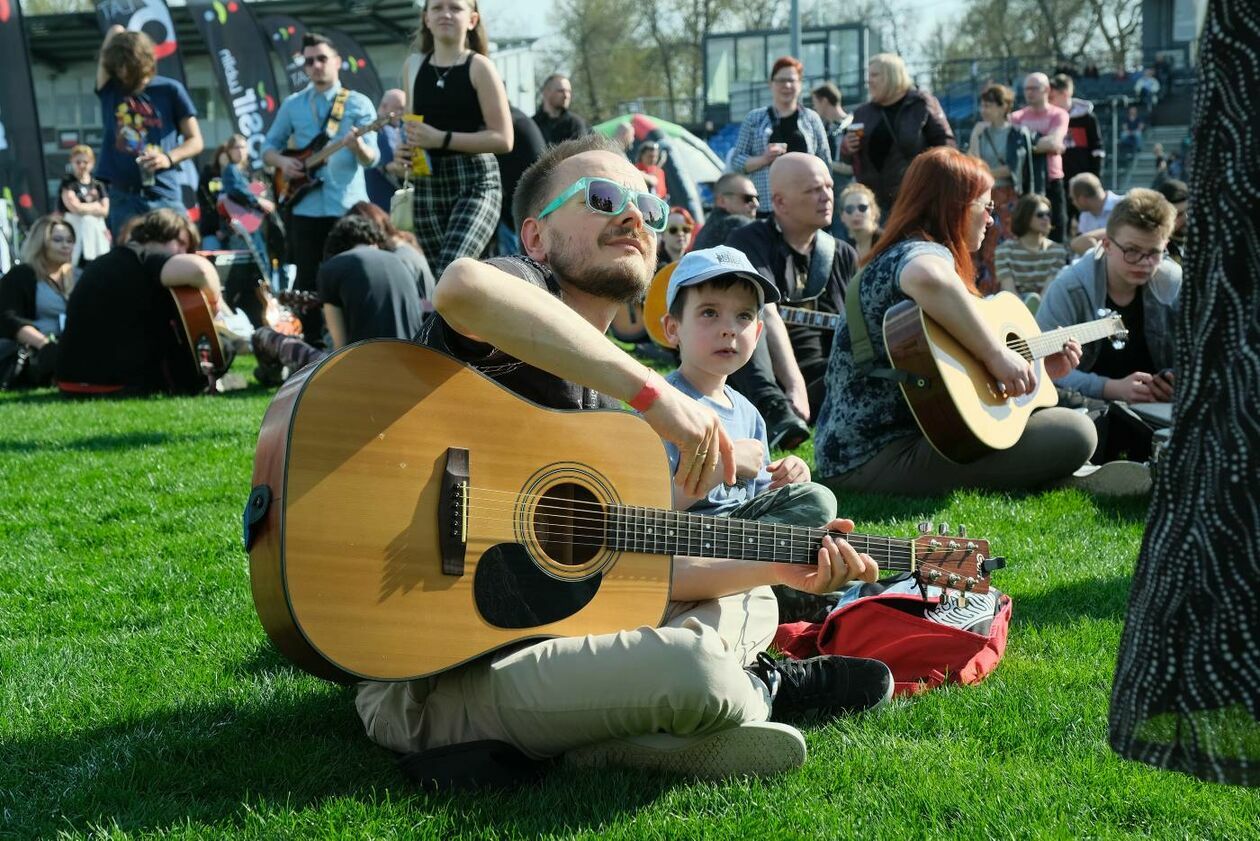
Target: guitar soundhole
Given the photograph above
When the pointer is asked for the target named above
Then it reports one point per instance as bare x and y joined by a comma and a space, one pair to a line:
1019, 345
569, 524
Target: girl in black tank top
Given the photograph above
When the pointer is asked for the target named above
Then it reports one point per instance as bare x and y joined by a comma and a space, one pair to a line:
458, 92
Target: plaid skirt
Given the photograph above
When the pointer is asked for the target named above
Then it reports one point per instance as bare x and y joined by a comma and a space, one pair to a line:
457, 208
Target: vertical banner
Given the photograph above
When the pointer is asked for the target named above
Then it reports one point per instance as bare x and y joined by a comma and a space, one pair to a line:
357, 70
284, 33
22, 181
242, 66
153, 18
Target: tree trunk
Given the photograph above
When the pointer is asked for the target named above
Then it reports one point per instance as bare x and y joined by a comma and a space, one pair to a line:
1187, 686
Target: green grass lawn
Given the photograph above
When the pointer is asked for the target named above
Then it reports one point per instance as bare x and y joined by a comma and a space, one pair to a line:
139, 695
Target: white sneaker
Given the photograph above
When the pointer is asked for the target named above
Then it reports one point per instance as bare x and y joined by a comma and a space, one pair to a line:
1115, 478
751, 749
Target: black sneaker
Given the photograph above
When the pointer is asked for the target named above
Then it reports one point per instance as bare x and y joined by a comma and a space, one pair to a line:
784, 427
824, 687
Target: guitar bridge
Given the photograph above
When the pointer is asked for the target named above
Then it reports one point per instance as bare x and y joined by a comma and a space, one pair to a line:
453, 511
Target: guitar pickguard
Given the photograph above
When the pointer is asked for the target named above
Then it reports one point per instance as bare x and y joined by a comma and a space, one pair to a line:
512, 592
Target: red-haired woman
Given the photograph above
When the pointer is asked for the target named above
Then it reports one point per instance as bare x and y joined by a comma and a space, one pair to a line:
785, 126
867, 439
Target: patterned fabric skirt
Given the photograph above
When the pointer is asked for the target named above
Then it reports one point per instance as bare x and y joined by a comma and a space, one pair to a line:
1004, 201
457, 208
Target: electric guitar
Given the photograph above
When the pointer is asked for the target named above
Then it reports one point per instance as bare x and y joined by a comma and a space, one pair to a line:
952, 395
409, 514
313, 156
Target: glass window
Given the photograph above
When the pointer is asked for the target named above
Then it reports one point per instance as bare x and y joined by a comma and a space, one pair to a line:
814, 57
750, 58
777, 46
844, 64
719, 60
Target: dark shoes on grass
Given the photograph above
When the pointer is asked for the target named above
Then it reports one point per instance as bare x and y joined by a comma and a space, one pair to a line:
823, 687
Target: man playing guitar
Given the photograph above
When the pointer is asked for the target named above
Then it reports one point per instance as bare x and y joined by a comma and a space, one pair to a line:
323, 107
693, 695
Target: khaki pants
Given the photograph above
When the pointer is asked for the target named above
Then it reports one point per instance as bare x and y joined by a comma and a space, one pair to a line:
1055, 443
685, 678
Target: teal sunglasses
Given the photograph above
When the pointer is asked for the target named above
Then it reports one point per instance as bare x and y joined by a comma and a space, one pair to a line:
610, 198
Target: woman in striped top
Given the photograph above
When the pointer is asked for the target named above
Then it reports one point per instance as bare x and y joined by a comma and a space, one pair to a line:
1025, 265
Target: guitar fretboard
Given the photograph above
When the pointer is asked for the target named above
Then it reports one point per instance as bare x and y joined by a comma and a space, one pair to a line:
810, 318
1052, 341
661, 532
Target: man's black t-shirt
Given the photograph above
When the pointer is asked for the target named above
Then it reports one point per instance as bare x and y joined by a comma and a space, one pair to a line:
567, 126
763, 243
1135, 355
787, 130
93, 191
525, 380
121, 330
376, 291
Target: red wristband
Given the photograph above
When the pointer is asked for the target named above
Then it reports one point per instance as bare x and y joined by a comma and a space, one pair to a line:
648, 395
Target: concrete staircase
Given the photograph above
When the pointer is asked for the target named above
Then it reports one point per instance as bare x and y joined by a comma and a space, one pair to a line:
1140, 171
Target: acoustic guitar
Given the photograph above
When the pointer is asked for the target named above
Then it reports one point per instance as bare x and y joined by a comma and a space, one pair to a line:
951, 394
313, 156
198, 332
654, 310
409, 514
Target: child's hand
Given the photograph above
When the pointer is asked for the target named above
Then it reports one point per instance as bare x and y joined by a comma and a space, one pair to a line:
750, 455
787, 471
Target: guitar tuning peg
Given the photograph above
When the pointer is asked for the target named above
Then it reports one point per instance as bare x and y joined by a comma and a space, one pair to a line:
1103, 312
943, 528
962, 530
925, 527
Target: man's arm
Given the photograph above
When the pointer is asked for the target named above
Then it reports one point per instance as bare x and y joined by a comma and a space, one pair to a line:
472, 298
196, 271
335, 320
193, 143
783, 360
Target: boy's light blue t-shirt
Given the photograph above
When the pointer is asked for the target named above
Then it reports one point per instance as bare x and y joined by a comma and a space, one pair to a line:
741, 420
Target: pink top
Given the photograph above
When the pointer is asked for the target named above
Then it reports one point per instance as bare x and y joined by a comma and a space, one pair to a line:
1051, 121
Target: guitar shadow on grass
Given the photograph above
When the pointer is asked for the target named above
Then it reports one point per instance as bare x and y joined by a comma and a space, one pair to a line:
232, 765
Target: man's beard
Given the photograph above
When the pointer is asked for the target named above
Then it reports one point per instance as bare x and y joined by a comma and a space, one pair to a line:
624, 282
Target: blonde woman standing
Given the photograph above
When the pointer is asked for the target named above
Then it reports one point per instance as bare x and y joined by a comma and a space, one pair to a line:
455, 87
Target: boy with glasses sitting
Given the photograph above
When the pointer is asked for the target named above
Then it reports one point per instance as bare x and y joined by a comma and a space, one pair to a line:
1130, 274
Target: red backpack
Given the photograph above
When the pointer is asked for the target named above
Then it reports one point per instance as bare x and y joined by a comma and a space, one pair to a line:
921, 653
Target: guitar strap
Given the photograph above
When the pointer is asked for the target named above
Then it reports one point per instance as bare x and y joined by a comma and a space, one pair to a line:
332, 123
818, 273
860, 342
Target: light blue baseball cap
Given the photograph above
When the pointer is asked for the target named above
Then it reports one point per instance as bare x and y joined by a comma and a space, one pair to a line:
704, 265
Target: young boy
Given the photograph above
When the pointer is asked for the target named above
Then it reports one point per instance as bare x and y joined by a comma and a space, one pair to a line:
714, 300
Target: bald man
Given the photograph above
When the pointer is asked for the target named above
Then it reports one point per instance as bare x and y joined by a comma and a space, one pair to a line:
386, 177
1051, 123
793, 250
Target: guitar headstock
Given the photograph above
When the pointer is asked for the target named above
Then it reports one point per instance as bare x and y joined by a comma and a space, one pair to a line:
299, 301
953, 562
1118, 333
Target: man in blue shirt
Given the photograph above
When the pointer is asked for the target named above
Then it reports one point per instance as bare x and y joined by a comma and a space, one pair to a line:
143, 115
302, 117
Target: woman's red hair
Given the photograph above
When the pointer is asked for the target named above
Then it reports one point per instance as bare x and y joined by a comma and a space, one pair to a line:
932, 205
787, 61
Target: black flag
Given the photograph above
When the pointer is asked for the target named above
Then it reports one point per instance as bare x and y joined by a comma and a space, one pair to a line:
238, 54
284, 33
357, 71
22, 178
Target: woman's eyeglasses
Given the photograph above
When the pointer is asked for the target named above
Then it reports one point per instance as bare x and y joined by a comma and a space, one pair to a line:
677, 229
987, 208
856, 208
1042, 214
610, 198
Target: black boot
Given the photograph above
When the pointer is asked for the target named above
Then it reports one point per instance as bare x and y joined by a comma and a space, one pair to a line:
784, 427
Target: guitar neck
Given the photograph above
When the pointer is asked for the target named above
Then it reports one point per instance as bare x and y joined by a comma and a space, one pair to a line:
810, 318
1052, 341
660, 532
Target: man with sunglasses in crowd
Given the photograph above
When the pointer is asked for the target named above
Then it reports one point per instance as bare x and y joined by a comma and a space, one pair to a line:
1130, 274
735, 203
794, 250
691, 696
322, 107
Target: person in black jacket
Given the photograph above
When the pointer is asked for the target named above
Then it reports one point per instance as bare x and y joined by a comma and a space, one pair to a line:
528, 146
33, 304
